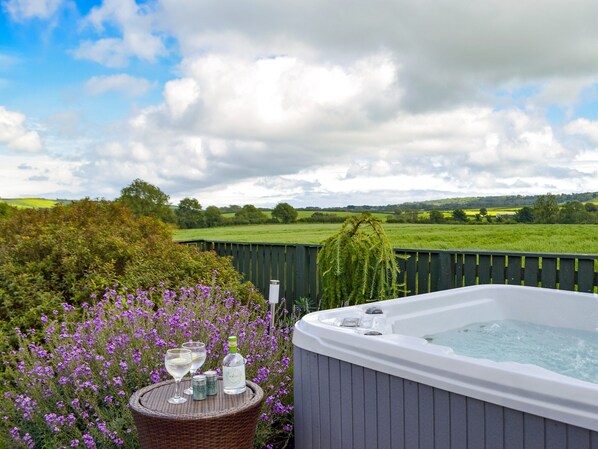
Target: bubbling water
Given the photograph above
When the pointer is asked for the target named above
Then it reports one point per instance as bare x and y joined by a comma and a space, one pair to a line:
571, 352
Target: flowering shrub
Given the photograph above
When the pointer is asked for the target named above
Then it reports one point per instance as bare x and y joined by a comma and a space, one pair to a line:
72, 390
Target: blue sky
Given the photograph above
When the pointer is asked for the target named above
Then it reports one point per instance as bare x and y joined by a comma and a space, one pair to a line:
309, 102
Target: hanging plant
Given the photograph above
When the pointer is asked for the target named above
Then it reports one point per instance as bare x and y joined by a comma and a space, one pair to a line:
358, 264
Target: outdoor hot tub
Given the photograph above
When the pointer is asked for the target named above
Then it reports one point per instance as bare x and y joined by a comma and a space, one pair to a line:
379, 380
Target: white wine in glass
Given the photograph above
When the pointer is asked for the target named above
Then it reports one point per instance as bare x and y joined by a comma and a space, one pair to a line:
198, 356
178, 363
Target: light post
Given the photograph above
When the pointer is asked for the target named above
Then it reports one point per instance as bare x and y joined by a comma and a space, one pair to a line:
273, 300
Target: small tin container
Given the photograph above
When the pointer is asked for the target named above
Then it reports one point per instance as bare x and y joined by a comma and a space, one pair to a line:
199, 387
212, 382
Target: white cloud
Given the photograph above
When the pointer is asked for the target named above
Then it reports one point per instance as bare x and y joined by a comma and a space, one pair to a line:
179, 95
564, 92
584, 127
288, 96
123, 83
515, 143
449, 53
40, 175
14, 134
232, 125
230, 114
588, 156
22, 10
110, 52
137, 35
393, 98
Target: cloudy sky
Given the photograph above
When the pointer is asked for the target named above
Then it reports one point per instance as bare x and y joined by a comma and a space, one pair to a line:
311, 102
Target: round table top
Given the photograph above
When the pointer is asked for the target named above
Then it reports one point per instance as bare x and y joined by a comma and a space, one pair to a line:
153, 400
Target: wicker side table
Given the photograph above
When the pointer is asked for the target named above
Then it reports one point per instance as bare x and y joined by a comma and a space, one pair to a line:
218, 422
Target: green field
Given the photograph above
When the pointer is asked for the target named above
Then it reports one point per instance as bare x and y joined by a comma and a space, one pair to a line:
308, 213
27, 203
382, 216
578, 239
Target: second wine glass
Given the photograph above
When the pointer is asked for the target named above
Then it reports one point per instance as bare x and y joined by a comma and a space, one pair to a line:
198, 357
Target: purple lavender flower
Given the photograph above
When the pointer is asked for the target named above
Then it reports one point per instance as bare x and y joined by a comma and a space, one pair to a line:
28, 440
89, 441
77, 383
155, 377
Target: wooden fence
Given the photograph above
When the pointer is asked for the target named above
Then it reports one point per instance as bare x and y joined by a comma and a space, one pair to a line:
422, 270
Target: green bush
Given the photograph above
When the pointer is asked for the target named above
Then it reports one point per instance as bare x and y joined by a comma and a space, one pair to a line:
322, 217
6, 210
67, 253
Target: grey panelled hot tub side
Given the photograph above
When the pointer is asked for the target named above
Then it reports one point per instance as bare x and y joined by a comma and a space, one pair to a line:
339, 405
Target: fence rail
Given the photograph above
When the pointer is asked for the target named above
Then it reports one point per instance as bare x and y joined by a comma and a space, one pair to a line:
422, 270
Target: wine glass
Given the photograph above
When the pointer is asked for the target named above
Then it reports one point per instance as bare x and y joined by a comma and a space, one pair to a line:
198, 356
178, 363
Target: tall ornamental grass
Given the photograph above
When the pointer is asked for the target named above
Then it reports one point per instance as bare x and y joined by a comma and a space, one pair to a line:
72, 389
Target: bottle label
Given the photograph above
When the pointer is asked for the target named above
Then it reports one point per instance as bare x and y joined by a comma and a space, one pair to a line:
233, 376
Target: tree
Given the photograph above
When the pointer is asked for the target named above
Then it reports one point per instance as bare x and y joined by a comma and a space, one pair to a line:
574, 212
546, 209
322, 217
249, 214
230, 209
146, 200
285, 213
358, 264
591, 207
483, 211
436, 217
189, 214
524, 215
212, 217
411, 215
403, 216
459, 215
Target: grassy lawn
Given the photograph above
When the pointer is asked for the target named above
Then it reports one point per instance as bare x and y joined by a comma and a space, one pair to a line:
581, 239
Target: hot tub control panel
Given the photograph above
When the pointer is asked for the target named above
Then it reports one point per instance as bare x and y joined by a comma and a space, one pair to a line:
363, 320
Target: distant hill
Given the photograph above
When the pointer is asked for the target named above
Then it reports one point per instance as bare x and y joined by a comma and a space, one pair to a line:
506, 201
446, 204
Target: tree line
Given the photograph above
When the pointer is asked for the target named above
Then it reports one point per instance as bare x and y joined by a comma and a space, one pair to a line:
148, 200
545, 210
145, 199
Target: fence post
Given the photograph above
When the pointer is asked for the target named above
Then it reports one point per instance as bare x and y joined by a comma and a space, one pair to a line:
300, 257
446, 276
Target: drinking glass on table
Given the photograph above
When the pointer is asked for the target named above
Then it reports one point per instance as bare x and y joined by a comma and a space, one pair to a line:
198, 356
178, 363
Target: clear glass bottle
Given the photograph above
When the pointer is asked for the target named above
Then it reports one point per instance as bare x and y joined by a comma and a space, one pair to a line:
233, 369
